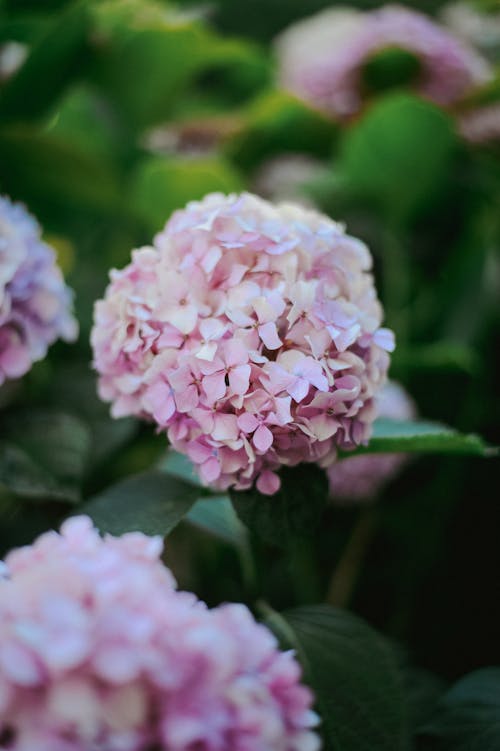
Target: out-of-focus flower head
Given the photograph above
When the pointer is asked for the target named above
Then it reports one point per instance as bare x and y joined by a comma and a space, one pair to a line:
284, 178
12, 56
335, 58
480, 29
481, 125
251, 333
35, 304
99, 651
361, 478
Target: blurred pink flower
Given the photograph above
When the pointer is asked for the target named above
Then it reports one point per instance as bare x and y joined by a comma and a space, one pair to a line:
99, 651
35, 304
322, 59
227, 330
360, 478
481, 125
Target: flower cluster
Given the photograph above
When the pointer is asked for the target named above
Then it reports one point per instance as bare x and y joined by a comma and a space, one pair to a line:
35, 304
99, 651
323, 59
481, 125
361, 478
251, 332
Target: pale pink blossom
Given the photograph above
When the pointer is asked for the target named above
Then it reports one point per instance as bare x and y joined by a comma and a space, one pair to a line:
99, 651
322, 58
361, 478
286, 312
35, 303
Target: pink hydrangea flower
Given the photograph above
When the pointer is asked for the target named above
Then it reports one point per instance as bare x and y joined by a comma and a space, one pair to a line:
322, 59
361, 478
35, 304
227, 331
99, 651
481, 125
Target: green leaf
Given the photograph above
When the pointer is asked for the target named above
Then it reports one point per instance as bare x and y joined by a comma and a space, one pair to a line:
217, 516
149, 53
354, 675
150, 502
278, 123
399, 155
52, 174
423, 436
59, 56
468, 716
162, 185
43, 455
178, 465
294, 511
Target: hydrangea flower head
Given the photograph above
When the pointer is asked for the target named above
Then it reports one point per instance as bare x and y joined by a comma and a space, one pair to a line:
35, 304
250, 333
99, 651
361, 478
324, 59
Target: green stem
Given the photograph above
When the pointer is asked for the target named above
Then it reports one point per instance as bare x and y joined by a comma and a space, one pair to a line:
397, 282
347, 571
303, 569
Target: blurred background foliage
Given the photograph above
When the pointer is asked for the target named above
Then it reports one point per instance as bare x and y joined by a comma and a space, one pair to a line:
121, 112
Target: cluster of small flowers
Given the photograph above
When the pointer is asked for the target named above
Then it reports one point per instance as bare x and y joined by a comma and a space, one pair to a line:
481, 125
251, 332
322, 59
361, 478
35, 304
99, 651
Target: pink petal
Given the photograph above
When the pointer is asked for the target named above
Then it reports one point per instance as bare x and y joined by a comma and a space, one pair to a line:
263, 439
225, 428
239, 379
188, 399
183, 317
268, 483
269, 335
211, 328
299, 389
214, 386
210, 470
384, 338
235, 353
247, 422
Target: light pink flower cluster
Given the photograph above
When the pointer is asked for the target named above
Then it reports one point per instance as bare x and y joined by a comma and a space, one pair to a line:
481, 125
361, 478
322, 59
251, 333
35, 304
98, 651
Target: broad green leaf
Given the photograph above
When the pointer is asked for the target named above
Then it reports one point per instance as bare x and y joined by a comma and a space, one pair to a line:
278, 123
178, 465
43, 455
217, 516
215, 513
398, 155
162, 185
54, 174
149, 53
423, 436
468, 716
354, 676
150, 502
294, 511
59, 56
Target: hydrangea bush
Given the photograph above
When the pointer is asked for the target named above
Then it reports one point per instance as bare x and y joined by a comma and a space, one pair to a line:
334, 535
35, 303
99, 650
325, 59
251, 333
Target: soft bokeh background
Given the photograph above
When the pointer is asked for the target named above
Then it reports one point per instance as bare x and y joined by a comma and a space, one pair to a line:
126, 109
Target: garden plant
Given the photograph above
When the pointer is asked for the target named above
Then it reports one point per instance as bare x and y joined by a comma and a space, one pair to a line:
249, 375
